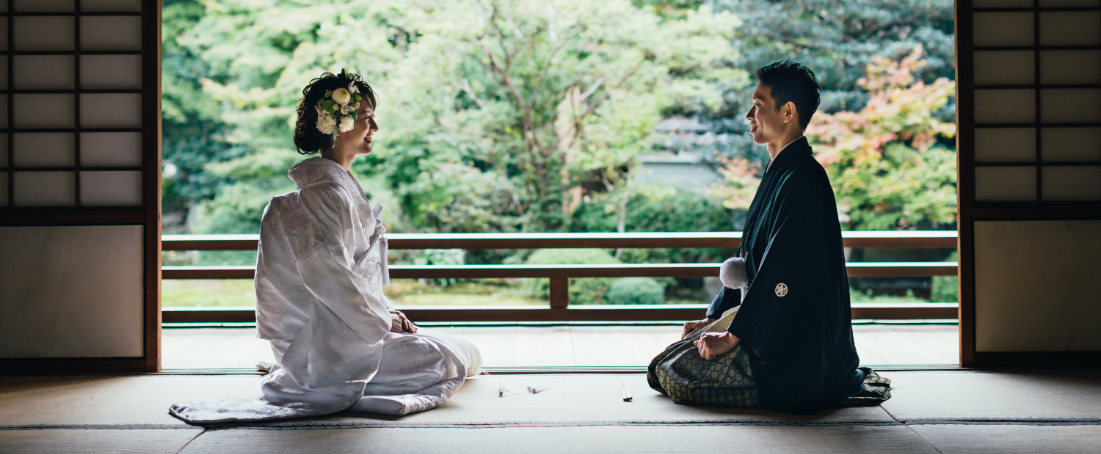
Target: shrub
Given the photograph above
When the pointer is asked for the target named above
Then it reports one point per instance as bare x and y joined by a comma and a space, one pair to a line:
680, 211
636, 290
438, 257
946, 288
582, 291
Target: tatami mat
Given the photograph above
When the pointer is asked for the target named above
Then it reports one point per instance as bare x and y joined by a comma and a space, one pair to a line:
579, 413
995, 396
1009, 439
579, 399
636, 440
584, 399
139, 400
95, 441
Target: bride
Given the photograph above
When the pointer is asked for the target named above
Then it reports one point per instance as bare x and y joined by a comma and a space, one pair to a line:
320, 269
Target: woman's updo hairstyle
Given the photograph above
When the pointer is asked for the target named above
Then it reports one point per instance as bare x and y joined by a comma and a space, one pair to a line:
307, 138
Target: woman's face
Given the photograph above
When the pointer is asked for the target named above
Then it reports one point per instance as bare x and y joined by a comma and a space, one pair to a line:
358, 139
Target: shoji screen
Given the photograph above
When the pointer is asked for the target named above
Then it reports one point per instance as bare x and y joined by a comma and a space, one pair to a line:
79, 185
1029, 78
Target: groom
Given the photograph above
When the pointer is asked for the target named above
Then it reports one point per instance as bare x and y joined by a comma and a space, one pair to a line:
795, 320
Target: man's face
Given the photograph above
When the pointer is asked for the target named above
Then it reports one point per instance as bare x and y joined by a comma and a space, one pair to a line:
765, 123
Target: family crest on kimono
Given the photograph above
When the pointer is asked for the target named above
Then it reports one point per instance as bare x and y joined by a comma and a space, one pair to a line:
320, 270
779, 333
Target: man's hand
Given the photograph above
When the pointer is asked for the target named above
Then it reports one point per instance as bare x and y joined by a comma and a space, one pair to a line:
712, 345
400, 324
692, 326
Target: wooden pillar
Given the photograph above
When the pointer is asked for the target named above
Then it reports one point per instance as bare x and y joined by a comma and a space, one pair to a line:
559, 292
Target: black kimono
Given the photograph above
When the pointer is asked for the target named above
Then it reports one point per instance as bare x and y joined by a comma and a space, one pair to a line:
795, 320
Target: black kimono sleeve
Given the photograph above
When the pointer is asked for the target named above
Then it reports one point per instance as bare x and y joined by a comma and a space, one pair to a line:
726, 299
792, 313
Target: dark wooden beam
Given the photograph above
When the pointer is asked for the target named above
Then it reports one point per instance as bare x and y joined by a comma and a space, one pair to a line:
855, 269
676, 240
34, 366
909, 311
572, 313
36, 216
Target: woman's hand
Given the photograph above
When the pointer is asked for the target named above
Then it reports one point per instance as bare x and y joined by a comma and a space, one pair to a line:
400, 324
712, 345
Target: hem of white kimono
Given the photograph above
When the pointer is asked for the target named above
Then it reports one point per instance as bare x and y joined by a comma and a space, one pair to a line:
393, 405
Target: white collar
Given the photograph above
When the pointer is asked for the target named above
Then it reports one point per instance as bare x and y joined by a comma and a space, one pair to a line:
781, 151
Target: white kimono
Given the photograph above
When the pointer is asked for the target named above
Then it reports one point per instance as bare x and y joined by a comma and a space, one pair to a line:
320, 270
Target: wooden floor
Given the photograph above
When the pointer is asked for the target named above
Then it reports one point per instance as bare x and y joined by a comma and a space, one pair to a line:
564, 346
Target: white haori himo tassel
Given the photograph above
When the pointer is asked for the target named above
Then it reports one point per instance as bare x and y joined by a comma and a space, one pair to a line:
732, 273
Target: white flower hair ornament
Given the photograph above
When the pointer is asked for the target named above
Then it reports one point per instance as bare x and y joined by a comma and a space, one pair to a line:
337, 110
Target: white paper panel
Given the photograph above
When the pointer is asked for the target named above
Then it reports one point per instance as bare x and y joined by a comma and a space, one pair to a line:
110, 33
1005, 184
44, 111
3, 73
1077, 28
1071, 183
1070, 67
1005, 106
3, 111
102, 149
1003, 29
45, 149
39, 6
110, 72
110, 188
3, 34
110, 110
3, 149
1001, 3
1079, 105
3, 189
73, 291
1068, 3
1005, 144
1015, 67
110, 5
45, 72
1036, 286
1070, 144
35, 189
44, 33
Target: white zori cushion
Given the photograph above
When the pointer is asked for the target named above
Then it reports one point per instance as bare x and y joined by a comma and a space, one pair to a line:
732, 273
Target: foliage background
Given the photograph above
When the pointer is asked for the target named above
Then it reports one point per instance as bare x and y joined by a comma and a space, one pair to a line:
525, 115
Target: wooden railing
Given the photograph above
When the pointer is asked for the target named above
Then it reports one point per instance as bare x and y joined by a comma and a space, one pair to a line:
559, 308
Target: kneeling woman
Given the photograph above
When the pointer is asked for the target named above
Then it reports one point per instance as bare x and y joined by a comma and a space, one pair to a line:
320, 270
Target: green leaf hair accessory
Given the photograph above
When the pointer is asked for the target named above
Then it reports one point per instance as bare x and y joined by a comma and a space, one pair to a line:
337, 110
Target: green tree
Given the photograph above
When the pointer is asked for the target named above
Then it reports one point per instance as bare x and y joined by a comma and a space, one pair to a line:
836, 39
491, 112
191, 121
890, 163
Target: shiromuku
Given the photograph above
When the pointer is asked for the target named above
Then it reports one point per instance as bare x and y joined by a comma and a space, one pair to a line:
321, 266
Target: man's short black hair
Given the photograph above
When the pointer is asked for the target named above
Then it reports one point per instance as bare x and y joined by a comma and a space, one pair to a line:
790, 81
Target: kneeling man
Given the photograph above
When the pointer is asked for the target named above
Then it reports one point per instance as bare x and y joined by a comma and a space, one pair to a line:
794, 321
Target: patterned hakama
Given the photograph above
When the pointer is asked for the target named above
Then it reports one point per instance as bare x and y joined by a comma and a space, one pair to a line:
728, 381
